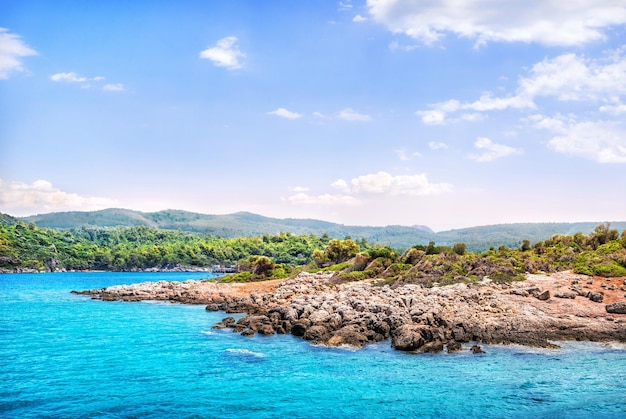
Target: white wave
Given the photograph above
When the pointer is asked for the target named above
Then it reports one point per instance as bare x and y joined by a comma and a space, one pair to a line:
207, 332
246, 352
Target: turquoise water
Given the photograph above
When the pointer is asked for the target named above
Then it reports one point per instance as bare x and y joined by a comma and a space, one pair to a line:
67, 356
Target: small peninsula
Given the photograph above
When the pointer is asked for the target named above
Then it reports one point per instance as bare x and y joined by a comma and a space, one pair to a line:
538, 311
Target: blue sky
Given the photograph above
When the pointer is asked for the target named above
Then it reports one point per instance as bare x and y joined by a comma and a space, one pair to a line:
448, 114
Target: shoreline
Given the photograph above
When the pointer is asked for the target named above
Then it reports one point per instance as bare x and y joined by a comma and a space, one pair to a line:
535, 312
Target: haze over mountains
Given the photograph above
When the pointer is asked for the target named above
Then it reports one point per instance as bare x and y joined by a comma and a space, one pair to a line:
242, 224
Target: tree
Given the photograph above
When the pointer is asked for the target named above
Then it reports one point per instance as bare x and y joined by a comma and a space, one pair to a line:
339, 251
459, 248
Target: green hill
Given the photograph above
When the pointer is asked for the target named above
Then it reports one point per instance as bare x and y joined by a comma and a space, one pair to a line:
245, 224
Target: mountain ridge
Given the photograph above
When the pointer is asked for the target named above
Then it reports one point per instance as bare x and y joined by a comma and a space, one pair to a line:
245, 224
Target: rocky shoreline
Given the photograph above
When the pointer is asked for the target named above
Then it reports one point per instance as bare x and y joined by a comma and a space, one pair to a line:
316, 307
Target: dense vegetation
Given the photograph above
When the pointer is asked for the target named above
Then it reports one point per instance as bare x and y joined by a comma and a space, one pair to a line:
28, 247
601, 253
244, 224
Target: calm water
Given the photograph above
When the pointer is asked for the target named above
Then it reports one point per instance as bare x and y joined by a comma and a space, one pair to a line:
66, 356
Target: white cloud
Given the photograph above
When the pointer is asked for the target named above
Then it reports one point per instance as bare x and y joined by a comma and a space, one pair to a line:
19, 199
395, 45
12, 49
69, 78
319, 115
614, 109
299, 189
323, 200
349, 114
491, 151
567, 77
113, 87
600, 141
284, 113
433, 145
359, 19
341, 185
86, 82
345, 5
402, 154
225, 53
385, 183
547, 22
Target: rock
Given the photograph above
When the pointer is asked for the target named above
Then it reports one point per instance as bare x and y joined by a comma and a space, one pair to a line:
349, 335
411, 337
316, 333
299, 327
566, 294
454, 347
212, 307
247, 332
543, 296
616, 308
596, 297
477, 349
432, 347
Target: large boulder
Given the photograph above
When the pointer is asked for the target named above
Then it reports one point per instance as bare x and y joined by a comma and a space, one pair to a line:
596, 297
616, 308
411, 337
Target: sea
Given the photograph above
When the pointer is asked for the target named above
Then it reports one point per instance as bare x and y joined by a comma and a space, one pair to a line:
67, 356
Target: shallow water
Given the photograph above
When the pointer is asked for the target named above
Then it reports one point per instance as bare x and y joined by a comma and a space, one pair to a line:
63, 355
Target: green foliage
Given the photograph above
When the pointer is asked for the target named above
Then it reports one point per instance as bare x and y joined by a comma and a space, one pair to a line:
25, 246
459, 248
338, 251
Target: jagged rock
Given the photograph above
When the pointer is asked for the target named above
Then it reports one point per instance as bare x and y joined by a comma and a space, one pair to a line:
212, 307
616, 308
247, 332
411, 337
543, 296
316, 333
454, 347
477, 349
596, 297
299, 327
566, 294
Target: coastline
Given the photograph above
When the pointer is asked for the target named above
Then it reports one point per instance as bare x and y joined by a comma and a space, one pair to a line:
316, 307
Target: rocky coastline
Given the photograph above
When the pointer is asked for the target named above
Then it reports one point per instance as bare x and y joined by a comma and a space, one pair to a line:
317, 307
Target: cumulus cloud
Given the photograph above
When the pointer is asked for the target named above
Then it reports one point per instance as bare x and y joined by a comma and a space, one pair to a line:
12, 50
349, 114
359, 19
385, 183
341, 184
284, 113
600, 141
547, 22
225, 53
40, 196
490, 151
567, 77
299, 189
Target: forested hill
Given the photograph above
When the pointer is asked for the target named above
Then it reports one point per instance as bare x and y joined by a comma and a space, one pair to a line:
244, 224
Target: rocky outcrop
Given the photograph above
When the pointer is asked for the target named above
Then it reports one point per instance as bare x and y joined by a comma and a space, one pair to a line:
414, 318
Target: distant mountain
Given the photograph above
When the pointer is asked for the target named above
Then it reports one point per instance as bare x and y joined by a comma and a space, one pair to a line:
244, 224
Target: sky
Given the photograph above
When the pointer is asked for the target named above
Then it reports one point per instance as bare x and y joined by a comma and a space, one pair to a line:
450, 114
